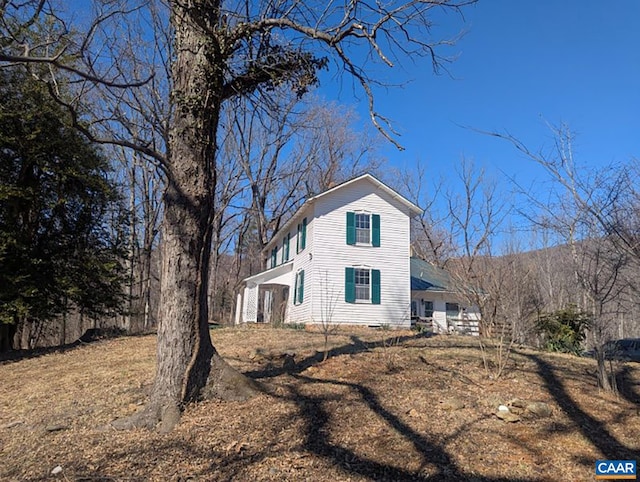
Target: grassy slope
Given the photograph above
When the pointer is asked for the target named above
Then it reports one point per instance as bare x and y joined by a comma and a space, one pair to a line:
376, 410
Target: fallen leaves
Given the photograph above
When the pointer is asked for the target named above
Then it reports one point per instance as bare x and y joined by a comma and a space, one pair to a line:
350, 417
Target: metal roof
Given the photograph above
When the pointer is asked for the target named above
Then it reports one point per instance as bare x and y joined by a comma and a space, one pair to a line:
427, 277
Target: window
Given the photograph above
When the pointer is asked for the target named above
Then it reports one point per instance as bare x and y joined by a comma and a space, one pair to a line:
363, 229
298, 292
362, 285
285, 248
301, 238
453, 310
274, 257
428, 308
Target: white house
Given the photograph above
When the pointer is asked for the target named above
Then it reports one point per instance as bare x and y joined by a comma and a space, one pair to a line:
439, 303
342, 258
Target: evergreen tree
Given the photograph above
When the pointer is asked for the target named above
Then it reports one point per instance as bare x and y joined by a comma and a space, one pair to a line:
60, 232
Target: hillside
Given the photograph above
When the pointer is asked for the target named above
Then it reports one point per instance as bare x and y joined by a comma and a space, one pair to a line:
385, 406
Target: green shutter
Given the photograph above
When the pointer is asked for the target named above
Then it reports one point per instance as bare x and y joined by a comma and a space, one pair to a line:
351, 228
303, 239
375, 230
274, 256
298, 238
375, 286
350, 285
301, 287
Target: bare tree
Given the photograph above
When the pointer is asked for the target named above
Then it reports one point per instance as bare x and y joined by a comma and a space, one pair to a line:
589, 212
431, 238
329, 297
223, 51
144, 186
476, 213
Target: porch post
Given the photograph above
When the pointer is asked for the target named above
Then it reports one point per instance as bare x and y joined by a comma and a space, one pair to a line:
238, 318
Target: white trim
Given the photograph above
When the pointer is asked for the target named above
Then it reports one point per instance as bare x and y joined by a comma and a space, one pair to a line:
272, 275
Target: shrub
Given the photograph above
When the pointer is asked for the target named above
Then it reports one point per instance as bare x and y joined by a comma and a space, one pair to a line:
564, 330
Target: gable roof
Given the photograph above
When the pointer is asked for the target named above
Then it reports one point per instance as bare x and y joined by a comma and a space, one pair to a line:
413, 209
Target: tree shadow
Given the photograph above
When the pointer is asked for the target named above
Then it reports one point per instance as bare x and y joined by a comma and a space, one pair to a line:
91, 335
593, 430
629, 388
316, 441
357, 345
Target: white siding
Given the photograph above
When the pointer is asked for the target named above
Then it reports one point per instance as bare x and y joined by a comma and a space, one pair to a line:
301, 261
327, 254
331, 255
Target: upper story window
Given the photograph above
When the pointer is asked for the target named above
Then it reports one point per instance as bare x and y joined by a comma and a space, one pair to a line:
285, 247
363, 228
301, 238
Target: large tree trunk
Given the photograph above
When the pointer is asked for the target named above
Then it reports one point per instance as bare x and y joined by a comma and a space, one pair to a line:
188, 366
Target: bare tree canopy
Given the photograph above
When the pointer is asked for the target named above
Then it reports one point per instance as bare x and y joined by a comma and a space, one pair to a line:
220, 51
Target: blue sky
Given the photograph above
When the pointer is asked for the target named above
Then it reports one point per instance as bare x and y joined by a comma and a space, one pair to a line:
521, 64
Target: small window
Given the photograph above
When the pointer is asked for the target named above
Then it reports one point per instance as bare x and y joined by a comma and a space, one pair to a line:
453, 310
428, 309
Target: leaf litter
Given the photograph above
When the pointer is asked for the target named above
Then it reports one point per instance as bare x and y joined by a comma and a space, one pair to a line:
385, 405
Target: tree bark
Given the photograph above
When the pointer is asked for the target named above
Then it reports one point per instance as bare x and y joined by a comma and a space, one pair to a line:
188, 366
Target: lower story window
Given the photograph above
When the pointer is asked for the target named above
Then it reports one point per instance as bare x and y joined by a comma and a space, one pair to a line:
363, 284
453, 310
428, 309
298, 291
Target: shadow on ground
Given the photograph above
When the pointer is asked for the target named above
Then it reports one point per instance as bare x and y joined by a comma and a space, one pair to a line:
90, 336
437, 463
434, 456
593, 429
356, 346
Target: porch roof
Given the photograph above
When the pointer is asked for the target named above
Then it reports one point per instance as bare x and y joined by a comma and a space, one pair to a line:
279, 275
427, 277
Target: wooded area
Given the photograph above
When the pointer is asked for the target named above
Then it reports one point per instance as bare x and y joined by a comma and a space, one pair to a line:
207, 115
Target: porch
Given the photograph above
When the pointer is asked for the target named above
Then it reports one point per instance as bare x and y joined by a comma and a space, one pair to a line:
265, 296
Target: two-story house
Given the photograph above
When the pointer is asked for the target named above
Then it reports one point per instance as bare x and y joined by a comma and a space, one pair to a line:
342, 258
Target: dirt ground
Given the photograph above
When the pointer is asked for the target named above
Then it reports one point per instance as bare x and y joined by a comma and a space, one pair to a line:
386, 405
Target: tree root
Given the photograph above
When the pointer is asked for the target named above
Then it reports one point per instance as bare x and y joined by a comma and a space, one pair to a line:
227, 383
224, 383
154, 416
